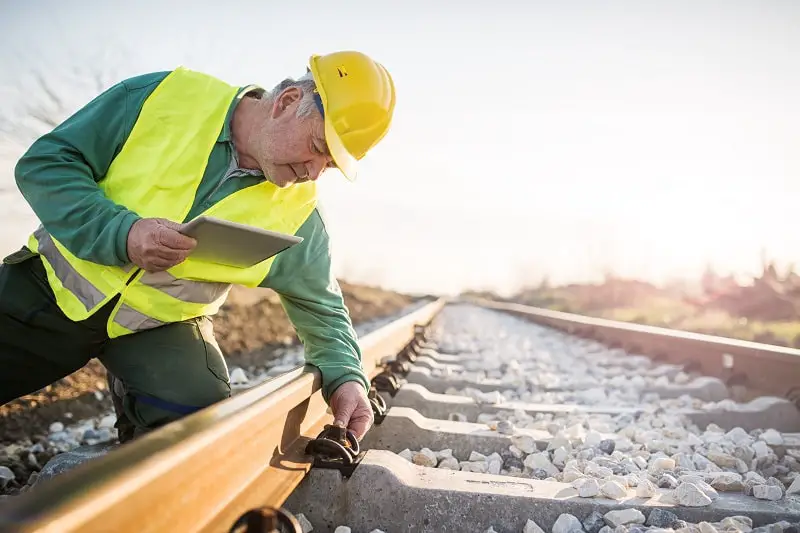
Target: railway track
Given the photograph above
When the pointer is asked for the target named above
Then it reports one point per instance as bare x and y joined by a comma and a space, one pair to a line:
489, 418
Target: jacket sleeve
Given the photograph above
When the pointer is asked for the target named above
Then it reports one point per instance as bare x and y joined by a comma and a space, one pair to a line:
313, 301
58, 177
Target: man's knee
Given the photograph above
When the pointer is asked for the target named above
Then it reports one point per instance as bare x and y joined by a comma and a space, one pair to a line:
167, 373
139, 412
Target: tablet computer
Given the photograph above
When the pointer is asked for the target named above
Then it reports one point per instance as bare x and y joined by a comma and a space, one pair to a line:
233, 244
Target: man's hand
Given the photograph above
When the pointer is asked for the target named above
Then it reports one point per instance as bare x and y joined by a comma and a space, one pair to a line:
351, 408
155, 244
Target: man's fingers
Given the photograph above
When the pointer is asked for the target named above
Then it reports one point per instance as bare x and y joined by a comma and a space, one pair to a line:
359, 423
343, 414
171, 255
157, 265
351, 409
171, 238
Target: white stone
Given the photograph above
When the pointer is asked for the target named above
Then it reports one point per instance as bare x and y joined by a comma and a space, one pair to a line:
424, 457
567, 523
560, 456
594, 396
767, 492
444, 454
532, 527
524, 443
706, 527
494, 466
541, 460
107, 422
613, 490
722, 459
487, 418
305, 525
589, 488
761, 448
55, 427
633, 480
559, 442
756, 477
593, 438
619, 479
794, 488
6, 475
737, 523
676, 433
478, 466
475, 456
342, 529
238, 376
738, 436
406, 454
516, 452
661, 464
571, 474
593, 469
623, 517
450, 463
574, 432
704, 464
646, 489
694, 440
691, 478
689, 495
741, 466
728, 482
658, 445
505, 427
707, 489
772, 437
623, 444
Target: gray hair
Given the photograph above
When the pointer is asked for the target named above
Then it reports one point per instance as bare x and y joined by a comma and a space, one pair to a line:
307, 84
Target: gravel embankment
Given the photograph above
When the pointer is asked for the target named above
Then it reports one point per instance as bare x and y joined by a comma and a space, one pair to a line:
652, 452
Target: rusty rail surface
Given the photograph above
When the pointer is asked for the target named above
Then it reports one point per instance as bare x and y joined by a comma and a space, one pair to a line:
203, 472
762, 369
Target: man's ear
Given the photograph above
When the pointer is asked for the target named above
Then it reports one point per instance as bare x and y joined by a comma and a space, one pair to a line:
286, 99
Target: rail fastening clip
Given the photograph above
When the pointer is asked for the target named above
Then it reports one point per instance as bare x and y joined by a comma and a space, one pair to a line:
335, 447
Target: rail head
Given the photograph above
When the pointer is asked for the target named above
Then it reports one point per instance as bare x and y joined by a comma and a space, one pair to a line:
201, 472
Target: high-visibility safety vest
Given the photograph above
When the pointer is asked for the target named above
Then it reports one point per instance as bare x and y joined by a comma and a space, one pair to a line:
156, 174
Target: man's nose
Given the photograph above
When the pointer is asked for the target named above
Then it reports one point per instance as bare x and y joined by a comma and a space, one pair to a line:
317, 166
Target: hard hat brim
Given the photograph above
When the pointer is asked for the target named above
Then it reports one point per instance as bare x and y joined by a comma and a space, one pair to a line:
344, 160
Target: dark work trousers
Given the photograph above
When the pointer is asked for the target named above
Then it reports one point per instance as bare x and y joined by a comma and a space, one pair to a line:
156, 376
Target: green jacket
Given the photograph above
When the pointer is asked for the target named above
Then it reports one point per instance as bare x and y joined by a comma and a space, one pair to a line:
58, 176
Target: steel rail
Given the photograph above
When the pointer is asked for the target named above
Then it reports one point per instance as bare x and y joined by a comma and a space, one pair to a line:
202, 472
762, 369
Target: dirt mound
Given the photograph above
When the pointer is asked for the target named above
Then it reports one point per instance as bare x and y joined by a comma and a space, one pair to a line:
251, 322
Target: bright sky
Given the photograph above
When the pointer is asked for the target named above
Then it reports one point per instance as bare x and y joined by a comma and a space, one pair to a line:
562, 138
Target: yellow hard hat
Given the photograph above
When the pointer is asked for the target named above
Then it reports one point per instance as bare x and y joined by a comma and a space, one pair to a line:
356, 98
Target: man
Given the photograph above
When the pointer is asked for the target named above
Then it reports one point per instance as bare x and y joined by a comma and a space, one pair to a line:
108, 274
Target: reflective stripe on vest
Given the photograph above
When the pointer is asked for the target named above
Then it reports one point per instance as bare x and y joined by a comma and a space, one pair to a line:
157, 174
89, 295
199, 292
132, 320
